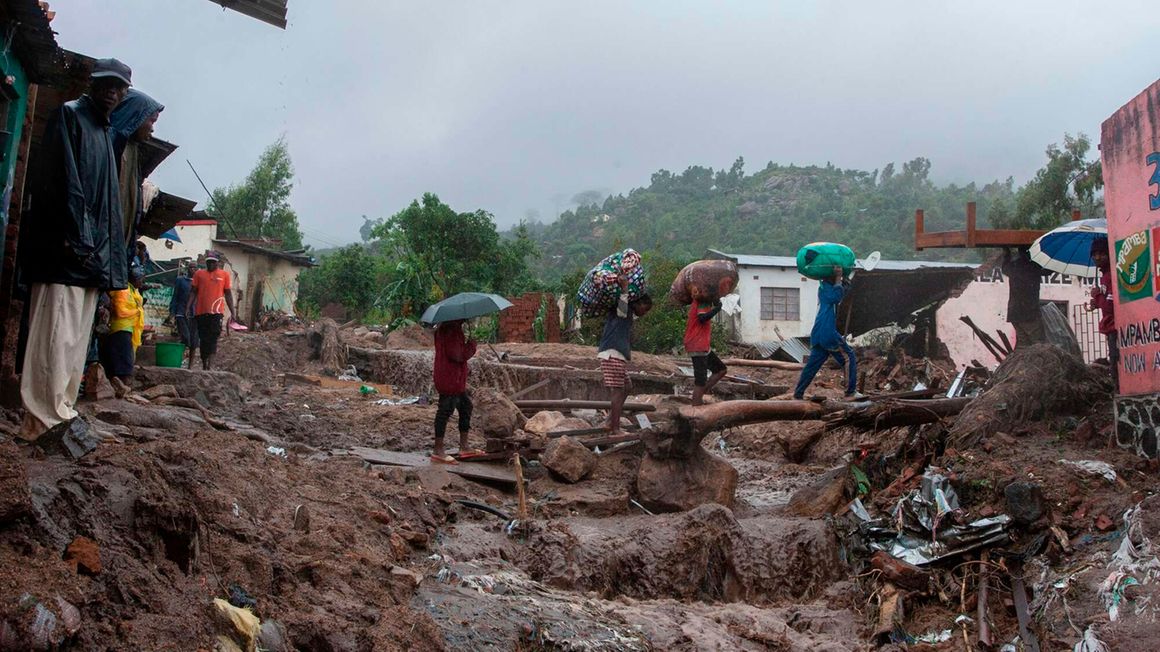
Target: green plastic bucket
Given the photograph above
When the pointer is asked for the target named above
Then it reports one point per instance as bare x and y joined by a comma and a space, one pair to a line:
170, 354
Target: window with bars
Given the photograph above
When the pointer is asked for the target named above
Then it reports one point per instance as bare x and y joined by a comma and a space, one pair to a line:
780, 304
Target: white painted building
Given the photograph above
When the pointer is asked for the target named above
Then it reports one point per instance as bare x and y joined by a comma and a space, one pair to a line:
197, 237
263, 279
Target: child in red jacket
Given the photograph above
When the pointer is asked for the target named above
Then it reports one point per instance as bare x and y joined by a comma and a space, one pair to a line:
452, 351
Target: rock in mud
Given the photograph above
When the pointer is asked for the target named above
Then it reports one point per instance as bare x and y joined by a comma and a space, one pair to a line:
273, 637
823, 496
1024, 502
568, 459
543, 423
495, 414
214, 389
14, 498
157, 391
73, 437
680, 484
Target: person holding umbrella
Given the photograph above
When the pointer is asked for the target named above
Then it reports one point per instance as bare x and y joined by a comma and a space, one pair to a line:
1102, 300
453, 350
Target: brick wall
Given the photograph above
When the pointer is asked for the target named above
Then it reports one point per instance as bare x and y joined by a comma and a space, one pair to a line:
516, 324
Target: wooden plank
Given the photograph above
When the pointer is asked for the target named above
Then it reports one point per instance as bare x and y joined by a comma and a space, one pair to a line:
1006, 237
971, 224
919, 227
768, 364
942, 239
530, 388
469, 470
568, 404
608, 441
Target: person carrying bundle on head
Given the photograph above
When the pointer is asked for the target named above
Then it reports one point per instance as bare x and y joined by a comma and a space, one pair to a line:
615, 349
698, 344
826, 341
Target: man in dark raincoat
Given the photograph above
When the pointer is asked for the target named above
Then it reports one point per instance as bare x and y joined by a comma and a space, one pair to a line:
132, 123
74, 251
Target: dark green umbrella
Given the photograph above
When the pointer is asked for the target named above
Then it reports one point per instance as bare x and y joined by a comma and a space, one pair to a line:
464, 305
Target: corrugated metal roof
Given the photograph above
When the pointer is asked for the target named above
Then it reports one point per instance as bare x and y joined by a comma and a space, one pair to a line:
298, 259
789, 261
267, 11
33, 41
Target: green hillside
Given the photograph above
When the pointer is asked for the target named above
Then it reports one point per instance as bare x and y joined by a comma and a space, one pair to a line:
773, 211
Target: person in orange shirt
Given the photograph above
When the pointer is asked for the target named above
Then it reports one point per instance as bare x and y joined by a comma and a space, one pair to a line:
698, 344
209, 296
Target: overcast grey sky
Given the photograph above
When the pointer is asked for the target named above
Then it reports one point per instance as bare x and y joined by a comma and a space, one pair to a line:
514, 105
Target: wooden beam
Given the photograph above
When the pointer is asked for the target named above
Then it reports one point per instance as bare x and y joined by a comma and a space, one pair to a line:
768, 364
971, 224
919, 227
568, 404
530, 388
467, 470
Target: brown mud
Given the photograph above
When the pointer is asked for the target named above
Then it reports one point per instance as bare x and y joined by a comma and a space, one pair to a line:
342, 555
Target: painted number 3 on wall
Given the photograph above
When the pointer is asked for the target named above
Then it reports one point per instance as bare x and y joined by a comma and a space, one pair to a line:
1154, 200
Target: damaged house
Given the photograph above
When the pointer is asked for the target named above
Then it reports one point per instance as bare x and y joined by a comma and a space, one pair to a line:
778, 304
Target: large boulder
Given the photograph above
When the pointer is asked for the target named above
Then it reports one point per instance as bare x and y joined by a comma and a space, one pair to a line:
542, 423
495, 414
823, 496
680, 484
568, 459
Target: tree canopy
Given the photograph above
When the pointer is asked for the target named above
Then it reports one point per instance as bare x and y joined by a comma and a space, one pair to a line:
259, 207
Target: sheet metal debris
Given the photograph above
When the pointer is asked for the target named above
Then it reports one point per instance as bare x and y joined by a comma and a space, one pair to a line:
923, 526
1092, 467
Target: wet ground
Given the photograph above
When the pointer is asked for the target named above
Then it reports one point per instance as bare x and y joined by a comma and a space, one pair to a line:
343, 555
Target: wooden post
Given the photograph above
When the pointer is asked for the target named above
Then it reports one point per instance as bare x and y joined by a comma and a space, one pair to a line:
1075, 215
970, 224
919, 228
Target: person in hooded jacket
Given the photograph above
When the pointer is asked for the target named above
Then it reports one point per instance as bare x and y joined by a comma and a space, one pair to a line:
132, 123
74, 248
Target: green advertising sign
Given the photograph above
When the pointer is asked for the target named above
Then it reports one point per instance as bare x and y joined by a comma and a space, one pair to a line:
1133, 267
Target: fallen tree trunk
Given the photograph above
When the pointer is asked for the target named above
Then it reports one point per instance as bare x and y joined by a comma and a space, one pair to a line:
768, 364
898, 412
703, 419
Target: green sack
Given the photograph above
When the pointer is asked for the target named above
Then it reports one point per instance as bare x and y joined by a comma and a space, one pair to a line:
817, 259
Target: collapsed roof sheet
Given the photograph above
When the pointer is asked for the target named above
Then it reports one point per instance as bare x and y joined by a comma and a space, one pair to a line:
883, 296
267, 11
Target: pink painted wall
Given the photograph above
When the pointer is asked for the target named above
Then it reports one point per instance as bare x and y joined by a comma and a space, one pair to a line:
1130, 151
985, 302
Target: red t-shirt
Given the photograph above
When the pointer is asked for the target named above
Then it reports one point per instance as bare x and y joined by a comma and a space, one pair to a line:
211, 291
698, 334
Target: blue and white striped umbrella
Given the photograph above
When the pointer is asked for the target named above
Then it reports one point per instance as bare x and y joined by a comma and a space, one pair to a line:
1068, 249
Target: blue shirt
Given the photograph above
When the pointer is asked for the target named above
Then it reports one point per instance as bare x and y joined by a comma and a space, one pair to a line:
617, 334
825, 332
181, 289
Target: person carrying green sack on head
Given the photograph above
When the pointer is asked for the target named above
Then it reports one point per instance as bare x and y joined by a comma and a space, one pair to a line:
826, 341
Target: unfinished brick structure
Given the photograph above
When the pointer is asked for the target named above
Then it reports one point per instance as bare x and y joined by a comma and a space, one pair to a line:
517, 324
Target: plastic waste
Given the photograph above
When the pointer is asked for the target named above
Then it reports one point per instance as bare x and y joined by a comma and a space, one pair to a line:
410, 400
244, 624
1093, 467
367, 390
350, 373
1089, 642
276, 451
